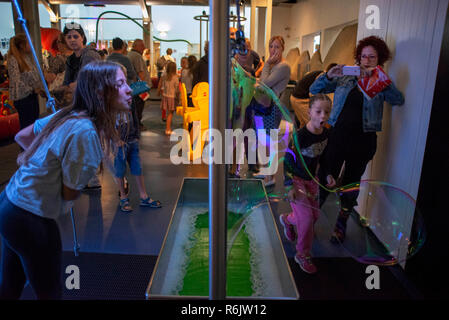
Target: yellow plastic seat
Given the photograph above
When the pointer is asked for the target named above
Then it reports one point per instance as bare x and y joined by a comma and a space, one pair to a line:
181, 110
199, 112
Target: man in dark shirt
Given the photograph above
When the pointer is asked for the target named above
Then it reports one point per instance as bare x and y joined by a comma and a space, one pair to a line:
201, 70
117, 55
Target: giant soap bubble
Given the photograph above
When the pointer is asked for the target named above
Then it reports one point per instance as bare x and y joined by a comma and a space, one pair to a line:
385, 228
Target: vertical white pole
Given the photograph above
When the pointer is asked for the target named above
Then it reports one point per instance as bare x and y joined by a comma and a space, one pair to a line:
218, 106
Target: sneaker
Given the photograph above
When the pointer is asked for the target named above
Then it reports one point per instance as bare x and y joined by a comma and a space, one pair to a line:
306, 264
289, 229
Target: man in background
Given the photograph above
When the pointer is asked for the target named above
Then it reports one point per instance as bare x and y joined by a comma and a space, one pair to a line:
117, 55
135, 55
201, 69
162, 62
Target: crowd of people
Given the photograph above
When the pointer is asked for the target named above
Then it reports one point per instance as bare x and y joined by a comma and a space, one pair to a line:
100, 119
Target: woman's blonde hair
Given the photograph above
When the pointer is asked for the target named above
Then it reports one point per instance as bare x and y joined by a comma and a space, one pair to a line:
95, 92
16, 45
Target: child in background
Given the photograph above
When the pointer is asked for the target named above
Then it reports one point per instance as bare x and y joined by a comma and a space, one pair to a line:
186, 75
128, 151
312, 140
169, 88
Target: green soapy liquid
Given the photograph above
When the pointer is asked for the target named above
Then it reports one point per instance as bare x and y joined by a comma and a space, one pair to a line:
238, 269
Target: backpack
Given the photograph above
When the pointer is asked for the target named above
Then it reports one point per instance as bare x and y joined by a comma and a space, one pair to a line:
161, 62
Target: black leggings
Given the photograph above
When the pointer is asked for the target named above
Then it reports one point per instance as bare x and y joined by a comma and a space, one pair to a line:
28, 110
31, 249
139, 103
356, 150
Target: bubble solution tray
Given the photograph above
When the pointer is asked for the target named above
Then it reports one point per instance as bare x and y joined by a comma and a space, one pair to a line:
257, 267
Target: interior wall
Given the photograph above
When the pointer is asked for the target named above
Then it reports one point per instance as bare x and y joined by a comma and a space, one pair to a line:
343, 46
308, 41
281, 25
309, 16
413, 30
260, 41
427, 268
329, 36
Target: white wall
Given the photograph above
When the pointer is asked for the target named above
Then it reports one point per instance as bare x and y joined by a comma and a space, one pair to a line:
329, 35
281, 26
309, 16
413, 30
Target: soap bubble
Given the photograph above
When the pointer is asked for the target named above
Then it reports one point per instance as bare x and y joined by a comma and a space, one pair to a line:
385, 228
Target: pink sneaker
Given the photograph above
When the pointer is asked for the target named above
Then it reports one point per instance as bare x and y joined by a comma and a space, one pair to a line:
289, 229
306, 264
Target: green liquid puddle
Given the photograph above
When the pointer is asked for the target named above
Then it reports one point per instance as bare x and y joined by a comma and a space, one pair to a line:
238, 269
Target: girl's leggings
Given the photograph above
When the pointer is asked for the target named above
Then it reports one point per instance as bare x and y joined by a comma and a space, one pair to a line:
31, 249
305, 213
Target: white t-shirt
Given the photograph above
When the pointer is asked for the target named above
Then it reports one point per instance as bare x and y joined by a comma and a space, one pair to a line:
168, 57
187, 78
70, 155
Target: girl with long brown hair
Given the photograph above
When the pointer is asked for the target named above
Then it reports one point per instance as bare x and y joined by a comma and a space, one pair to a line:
24, 82
53, 169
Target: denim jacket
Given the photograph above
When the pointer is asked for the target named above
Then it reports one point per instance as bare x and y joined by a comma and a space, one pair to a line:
372, 109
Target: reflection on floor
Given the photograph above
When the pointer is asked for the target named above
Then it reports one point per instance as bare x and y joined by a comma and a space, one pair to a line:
103, 229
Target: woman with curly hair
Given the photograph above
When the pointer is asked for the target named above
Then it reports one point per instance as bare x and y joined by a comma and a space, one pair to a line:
55, 166
355, 119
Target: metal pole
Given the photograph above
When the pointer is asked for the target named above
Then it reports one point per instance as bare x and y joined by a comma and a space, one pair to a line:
201, 32
218, 105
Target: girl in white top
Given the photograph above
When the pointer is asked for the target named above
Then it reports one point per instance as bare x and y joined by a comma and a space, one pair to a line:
55, 166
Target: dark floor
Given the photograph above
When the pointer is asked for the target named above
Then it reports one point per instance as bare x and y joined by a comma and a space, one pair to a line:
118, 250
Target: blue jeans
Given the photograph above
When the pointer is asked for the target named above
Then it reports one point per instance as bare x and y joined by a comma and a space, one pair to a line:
31, 249
128, 153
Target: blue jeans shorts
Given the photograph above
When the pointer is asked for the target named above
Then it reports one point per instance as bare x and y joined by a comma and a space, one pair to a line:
128, 153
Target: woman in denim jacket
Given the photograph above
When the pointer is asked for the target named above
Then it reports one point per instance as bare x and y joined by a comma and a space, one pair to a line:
355, 119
